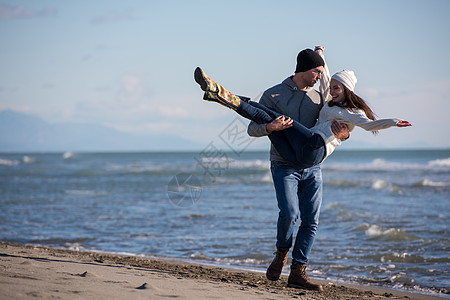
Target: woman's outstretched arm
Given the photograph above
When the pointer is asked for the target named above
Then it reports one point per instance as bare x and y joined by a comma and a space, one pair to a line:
359, 118
325, 79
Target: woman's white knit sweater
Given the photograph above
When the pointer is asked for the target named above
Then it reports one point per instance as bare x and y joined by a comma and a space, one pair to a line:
353, 117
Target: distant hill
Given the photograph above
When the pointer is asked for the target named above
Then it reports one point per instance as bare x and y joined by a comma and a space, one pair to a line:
22, 132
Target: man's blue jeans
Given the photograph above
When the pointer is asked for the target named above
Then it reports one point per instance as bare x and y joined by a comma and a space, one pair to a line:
299, 194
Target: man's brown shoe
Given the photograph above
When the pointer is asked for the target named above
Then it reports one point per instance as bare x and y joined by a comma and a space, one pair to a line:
274, 271
300, 279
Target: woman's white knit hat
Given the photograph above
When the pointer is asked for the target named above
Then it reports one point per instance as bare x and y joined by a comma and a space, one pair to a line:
347, 78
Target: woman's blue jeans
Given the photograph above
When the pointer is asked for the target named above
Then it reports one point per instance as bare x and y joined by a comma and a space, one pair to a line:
298, 145
299, 195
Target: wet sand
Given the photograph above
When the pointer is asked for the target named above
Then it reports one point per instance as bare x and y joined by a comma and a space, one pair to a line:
28, 272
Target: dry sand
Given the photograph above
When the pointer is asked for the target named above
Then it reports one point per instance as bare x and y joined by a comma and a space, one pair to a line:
28, 272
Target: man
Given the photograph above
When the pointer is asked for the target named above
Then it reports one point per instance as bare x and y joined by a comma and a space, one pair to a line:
298, 191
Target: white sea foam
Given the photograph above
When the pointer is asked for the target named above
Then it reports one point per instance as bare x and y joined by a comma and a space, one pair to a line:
374, 230
8, 162
67, 155
28, 160
74, 246
85, 192
226, 163
341, 182
440, 162
377, 164
402, 257
243, 261
143, 167
380, 184
267, 178
382, 165
427, 182
198, 255
251, 164
391, 233
376, 184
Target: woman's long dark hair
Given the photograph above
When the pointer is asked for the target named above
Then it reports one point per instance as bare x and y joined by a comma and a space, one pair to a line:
352, 101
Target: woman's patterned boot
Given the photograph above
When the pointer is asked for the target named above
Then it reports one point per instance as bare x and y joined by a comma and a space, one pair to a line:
215, 92
232, 102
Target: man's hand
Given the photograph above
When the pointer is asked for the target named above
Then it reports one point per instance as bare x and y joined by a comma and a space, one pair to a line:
339, 130
279, 123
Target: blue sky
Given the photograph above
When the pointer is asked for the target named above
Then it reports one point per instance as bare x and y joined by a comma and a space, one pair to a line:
129, 64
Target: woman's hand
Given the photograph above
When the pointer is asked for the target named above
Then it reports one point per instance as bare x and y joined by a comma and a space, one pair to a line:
280, 123
319, 49
402, 123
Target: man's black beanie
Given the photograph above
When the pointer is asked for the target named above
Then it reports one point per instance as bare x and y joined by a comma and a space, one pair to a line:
308, 59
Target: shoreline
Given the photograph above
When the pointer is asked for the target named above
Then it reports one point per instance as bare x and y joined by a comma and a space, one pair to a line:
31, 271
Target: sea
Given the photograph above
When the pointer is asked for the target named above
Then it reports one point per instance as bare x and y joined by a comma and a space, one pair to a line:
384, 218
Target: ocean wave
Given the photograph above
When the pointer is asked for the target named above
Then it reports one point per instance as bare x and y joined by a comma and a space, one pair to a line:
85, 192
429, 183
252, 261
411, 258
399, 281
137, 235
256, 260
241, 178
342, 182
78, 244
381, 184
28, 159
220, 169
334, 205
200, 256
229, 163
266, 178
392, 234
160, 168
9, 162
376, 184
198, 216
67, 155
250, 164
440, 162
382, 165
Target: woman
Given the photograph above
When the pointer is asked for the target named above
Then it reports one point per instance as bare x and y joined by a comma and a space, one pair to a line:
297, 144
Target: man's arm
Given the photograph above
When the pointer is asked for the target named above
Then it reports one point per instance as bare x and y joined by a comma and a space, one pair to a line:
257, 130
340, 130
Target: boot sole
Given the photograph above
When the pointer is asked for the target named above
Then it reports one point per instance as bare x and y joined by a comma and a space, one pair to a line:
272, 278
198, 76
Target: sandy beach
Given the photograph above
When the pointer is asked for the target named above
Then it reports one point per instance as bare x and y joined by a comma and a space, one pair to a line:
29, 272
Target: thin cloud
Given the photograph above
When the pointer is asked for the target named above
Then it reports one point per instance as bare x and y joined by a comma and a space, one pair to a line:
112, 17
48, 86
132, 88
8, 12
173, 112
